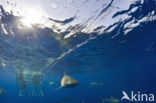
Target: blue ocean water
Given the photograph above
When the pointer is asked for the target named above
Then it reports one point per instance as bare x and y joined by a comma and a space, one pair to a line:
124, 63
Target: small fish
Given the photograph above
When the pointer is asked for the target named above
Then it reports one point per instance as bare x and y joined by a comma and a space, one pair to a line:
111, 100
51, 83
68, 82
93, 84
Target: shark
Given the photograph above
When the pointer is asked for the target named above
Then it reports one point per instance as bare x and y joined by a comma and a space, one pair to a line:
93, 84
68, 82
111, 100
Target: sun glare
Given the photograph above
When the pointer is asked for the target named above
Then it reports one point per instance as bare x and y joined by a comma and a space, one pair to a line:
32, 16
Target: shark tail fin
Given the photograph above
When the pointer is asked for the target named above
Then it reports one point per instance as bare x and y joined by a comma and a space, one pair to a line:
57, 89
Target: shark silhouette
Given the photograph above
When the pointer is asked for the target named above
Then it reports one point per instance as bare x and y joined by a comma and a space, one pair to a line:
125, 96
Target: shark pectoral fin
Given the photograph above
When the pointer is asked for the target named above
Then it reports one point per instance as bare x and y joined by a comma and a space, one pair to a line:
57, 89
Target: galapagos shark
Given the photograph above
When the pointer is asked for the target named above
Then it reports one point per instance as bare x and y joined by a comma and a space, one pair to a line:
67, 82
111, 100
94, 84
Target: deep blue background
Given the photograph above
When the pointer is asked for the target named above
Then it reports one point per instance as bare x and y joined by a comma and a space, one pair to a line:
128, 66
